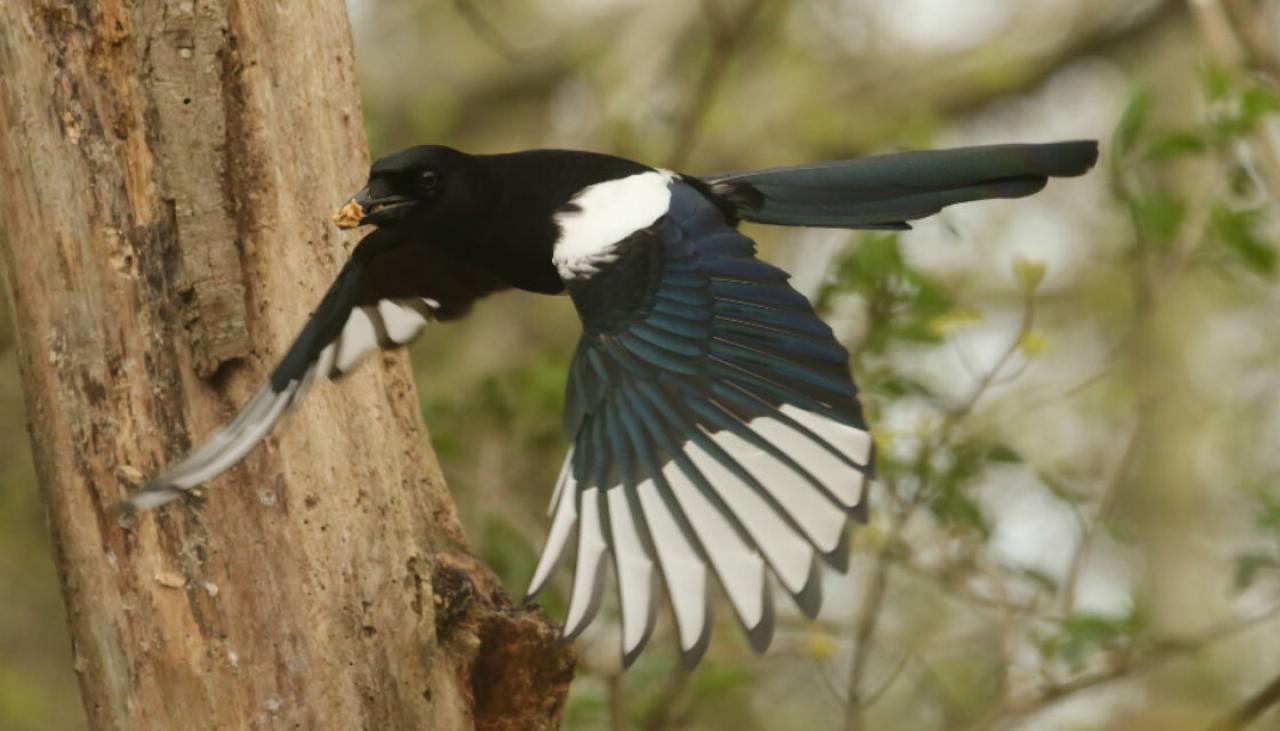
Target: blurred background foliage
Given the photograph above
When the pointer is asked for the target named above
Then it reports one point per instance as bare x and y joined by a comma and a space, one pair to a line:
1076, 397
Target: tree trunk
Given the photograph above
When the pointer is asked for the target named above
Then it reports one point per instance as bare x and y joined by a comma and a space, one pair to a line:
166, 170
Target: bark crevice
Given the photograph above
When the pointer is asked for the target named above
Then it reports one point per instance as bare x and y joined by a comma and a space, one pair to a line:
185, 84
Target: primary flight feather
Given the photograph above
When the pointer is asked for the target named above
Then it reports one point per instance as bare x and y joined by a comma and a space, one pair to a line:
715, 429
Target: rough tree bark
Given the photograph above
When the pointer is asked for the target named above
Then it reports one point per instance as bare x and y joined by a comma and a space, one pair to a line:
165, 171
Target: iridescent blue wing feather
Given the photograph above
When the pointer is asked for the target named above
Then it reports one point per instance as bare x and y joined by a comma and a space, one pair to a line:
716, 433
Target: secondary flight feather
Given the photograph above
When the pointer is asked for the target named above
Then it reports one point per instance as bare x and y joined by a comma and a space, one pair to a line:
715, 432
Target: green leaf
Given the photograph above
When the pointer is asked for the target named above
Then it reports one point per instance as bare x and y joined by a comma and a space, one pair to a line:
887, 382
1258, 102
1251, 107
1250, 566
901, 301
952, 506
1043, 581
1133, 124
1003, 453
1236, 230
1028, 272
1158, 215
1181, 143
1059, 489
586, 707
506, 551
722, 679
1216, 82
1269, 518
1080, 636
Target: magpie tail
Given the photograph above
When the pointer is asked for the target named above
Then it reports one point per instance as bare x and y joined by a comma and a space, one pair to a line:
887, 191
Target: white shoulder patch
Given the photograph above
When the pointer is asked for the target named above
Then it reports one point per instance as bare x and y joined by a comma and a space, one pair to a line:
604, 214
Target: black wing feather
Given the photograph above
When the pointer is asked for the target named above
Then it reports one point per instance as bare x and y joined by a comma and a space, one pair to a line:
707, 373
381, 298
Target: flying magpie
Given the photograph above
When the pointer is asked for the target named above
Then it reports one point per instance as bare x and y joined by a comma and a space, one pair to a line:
715, 429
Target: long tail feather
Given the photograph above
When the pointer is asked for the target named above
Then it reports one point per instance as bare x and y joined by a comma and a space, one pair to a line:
886, 191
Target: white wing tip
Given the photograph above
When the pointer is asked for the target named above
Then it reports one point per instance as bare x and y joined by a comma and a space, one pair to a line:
563, 526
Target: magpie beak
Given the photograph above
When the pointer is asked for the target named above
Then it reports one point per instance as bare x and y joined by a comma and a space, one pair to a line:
371, 207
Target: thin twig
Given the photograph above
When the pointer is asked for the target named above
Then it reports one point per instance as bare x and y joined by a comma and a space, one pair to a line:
868, 617
1251, 24
871, 608
1114, 478
874, 695
960, 412
672, 693
727, 38
485, 30
1252, 709
613, 683
963, 593
873, 602
1070, 392
962, 353
829, 684
1124, 667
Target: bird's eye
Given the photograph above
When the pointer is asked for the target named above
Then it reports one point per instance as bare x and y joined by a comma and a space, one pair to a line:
428, 181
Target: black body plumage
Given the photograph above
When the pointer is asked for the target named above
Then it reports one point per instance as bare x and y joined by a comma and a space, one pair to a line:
715, 428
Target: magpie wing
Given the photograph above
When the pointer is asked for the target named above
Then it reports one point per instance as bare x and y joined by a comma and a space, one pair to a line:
715, 428
382, 298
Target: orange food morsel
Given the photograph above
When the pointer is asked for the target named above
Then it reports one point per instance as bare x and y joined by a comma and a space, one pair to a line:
349, 215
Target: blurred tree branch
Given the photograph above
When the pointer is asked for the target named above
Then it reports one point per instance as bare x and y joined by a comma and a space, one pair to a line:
668, 714
1251, 21
886, 87
1122, 666
6, 305
865, 626
617, 716
728, 35
485, 30
1252, 709
1111, 484
955, 83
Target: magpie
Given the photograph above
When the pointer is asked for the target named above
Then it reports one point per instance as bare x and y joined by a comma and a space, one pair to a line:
715, 431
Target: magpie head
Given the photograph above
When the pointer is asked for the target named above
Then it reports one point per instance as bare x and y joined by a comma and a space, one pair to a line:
420, 185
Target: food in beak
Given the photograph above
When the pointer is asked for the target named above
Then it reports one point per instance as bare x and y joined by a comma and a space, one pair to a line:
349, 216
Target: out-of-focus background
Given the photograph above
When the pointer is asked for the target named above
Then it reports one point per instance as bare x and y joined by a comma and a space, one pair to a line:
1076, 396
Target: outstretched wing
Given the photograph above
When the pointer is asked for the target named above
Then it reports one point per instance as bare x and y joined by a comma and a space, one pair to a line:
383, 297
715, 428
